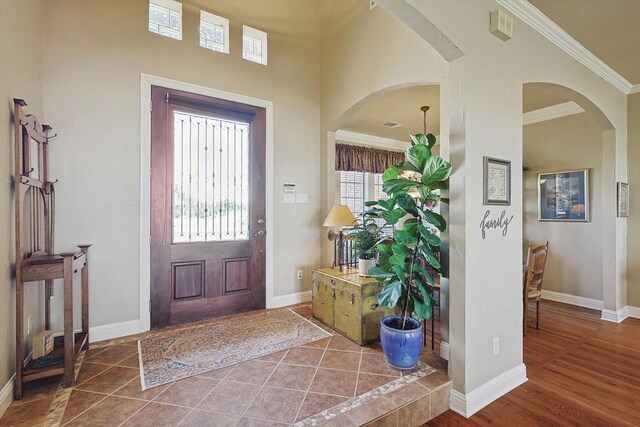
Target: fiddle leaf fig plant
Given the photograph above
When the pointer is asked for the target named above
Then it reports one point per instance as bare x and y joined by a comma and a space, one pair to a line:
411, 187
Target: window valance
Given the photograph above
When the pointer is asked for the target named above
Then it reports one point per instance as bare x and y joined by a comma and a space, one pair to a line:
365, 159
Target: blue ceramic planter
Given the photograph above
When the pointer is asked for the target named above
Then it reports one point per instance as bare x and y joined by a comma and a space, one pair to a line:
401, 347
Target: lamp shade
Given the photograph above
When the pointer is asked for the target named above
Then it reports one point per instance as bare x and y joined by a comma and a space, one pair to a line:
340, 215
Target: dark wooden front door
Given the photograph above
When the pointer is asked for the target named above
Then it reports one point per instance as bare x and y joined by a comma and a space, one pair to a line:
207, 207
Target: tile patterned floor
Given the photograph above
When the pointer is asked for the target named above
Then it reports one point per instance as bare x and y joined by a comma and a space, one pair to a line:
278, 389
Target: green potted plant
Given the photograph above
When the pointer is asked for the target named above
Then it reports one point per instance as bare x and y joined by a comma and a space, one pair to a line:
366, 235
406, 282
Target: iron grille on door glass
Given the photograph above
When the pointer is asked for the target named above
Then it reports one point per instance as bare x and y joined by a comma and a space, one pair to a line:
211, 179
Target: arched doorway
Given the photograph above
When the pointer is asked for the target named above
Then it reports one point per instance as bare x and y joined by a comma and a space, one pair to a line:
364, 124
564, 131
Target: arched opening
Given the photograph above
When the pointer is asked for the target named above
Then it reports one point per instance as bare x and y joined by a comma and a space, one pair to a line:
384, 119
568, 165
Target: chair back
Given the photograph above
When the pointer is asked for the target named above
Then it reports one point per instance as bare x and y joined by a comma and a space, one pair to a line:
536, 260
526, 267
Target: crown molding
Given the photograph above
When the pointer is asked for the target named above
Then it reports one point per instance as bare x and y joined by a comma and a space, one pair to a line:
537, 20
553, 112
635, 89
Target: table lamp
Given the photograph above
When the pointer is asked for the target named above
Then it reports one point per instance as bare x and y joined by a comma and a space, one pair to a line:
339, 216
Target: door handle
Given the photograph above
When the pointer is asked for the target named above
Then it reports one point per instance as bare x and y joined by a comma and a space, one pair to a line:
260, 233
260, 221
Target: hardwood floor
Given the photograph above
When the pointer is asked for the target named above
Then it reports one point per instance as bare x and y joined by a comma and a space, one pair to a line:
582, 372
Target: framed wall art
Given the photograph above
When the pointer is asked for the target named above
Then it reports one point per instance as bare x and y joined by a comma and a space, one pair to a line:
497, 181
563, 196
623, 199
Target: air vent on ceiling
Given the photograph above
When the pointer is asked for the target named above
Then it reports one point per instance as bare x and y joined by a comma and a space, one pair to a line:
392, 124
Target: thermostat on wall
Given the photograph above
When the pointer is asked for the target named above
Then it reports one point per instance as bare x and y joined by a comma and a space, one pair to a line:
289, 187
501, 24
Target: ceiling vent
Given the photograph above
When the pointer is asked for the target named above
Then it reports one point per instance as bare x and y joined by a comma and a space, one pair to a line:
392, 125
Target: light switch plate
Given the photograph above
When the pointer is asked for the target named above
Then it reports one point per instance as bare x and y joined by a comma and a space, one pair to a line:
288, 198
302, 198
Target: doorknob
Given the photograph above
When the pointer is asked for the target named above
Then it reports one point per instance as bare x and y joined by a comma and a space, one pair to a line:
260, 221
261, 233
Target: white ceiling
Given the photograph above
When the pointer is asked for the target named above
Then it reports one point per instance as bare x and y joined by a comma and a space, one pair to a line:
401, 106
610, 29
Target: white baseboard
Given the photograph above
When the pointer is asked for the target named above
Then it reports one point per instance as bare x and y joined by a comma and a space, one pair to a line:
573, 300
6, 395
110, 331
445, 350
289, 299
132, 327
615, 316
114, 330
633, 311
470, 403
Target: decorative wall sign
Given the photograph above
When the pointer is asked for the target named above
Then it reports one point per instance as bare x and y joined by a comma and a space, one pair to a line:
563, 196
623, 199
498, 222
497, 181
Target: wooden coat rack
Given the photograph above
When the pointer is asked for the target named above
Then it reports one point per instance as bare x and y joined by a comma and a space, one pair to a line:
36, 260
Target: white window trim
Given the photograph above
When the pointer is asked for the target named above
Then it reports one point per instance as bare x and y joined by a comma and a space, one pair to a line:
171, 5
176, 6
256, 34
212, 19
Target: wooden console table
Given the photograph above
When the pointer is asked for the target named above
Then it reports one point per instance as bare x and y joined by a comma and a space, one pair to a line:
35, 257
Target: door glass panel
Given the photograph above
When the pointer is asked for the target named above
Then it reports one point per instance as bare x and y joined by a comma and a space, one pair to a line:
210, 179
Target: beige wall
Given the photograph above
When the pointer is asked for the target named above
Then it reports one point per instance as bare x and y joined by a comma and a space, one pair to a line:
574, 264
94, 54
486, 120
20, 77
366, 53
633, 290
481, 104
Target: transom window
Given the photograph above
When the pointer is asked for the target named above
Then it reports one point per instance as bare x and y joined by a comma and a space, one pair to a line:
254, 45
214, 32
165, 18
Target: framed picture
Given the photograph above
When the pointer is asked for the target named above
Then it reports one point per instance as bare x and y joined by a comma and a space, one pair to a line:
497, 181
623, 199
563, 196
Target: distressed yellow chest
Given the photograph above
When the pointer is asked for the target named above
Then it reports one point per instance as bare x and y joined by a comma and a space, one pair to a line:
348, 303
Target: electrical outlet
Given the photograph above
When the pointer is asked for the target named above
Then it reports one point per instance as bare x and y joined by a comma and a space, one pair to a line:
496, 346
29, 325
299, 274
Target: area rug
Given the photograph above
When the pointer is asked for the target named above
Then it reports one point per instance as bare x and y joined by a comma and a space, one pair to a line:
173, 355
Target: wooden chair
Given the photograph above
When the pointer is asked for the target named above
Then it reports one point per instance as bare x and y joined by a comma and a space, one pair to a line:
533, 276
36, 261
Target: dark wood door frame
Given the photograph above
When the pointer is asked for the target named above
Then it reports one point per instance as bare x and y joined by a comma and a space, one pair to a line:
143, 323
222, 108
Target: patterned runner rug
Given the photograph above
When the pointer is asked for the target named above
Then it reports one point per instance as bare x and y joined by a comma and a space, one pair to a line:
173, 355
